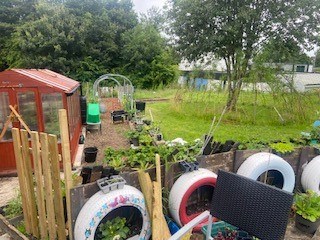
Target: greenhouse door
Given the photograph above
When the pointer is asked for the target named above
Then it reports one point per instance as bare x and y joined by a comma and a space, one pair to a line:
27, 106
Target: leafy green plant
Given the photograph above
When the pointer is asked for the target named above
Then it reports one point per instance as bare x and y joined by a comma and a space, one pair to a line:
145, 139
282, 147
114, 229
315, 133
14, 207
133, 134
307, 205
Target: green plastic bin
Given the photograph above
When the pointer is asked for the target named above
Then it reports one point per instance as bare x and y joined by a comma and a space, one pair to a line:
93, 113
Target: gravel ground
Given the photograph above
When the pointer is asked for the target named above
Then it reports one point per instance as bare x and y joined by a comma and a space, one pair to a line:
112, 134
9, 187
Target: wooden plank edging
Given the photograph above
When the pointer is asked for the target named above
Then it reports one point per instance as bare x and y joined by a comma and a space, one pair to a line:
6, 226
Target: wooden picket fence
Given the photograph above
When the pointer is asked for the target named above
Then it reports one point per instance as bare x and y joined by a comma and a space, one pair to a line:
38, 166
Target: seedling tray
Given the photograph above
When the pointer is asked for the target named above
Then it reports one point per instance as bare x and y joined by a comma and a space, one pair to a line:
189, 166
109, 184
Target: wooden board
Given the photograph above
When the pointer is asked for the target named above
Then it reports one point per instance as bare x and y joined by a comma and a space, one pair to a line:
48, 185
65, 146
39, 184
58, 203
21, 177
11, 230
147, 189
157, 214
29, 183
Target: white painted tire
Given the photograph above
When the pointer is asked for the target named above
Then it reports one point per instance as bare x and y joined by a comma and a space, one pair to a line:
182, 188
259, 163
310, 178
101, 204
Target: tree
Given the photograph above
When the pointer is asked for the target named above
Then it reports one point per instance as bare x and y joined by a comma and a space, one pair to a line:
317, 60
12, 13
81, 39
279, 51
235, 30
147, 59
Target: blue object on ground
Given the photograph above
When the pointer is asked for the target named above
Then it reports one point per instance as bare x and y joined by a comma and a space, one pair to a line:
316, 123
173, 227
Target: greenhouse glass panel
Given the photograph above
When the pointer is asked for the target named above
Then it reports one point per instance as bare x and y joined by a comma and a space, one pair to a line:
51, 103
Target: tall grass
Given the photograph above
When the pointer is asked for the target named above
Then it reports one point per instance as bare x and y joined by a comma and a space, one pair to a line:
259, 116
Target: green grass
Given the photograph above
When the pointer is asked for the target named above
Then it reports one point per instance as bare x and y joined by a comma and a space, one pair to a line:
189, 114
159, 93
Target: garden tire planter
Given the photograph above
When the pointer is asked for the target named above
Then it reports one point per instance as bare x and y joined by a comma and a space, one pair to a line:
100, 205
259, 163
305, 225
310, 178
181, 191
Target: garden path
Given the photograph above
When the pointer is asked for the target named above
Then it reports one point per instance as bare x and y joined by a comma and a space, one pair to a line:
112, 134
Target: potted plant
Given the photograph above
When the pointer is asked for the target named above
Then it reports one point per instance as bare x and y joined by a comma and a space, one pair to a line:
282, 148
114, 229
315, 135
134, 137
307, 207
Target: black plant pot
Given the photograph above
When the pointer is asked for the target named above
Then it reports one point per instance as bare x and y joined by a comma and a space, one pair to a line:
90, 154
141, 106
135, 141
306, 225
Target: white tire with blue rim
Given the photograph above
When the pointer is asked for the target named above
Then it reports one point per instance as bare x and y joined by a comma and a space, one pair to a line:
258, 163
310, 178
101, 204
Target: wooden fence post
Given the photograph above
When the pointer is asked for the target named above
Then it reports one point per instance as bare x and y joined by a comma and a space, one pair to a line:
39, 183
22, 178
48, 185
29, 183
65, 146
55, 168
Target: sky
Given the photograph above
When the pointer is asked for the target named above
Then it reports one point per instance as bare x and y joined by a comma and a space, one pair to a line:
141, 6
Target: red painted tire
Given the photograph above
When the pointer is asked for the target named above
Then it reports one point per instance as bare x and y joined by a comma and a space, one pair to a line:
182, 190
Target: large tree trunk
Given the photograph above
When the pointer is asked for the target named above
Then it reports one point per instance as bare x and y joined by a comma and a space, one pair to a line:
233, 96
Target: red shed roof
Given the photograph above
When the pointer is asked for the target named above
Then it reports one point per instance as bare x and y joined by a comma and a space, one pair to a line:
50, 78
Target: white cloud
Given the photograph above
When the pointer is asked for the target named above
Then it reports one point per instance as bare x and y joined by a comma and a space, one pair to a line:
142, 6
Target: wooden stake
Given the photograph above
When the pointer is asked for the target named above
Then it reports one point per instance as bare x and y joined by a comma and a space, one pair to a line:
6, 125
65, 146
20, 119
48, 185
29, 183
147, 189
21, 177
39, 183
158, 169
165, 229
55, 168
157, 216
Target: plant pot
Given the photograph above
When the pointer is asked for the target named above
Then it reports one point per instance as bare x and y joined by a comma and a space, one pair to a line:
141, 106
159, 137
90, 154
305, 225
135, 141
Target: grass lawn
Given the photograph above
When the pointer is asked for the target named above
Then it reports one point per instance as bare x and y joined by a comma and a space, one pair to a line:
259, 117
